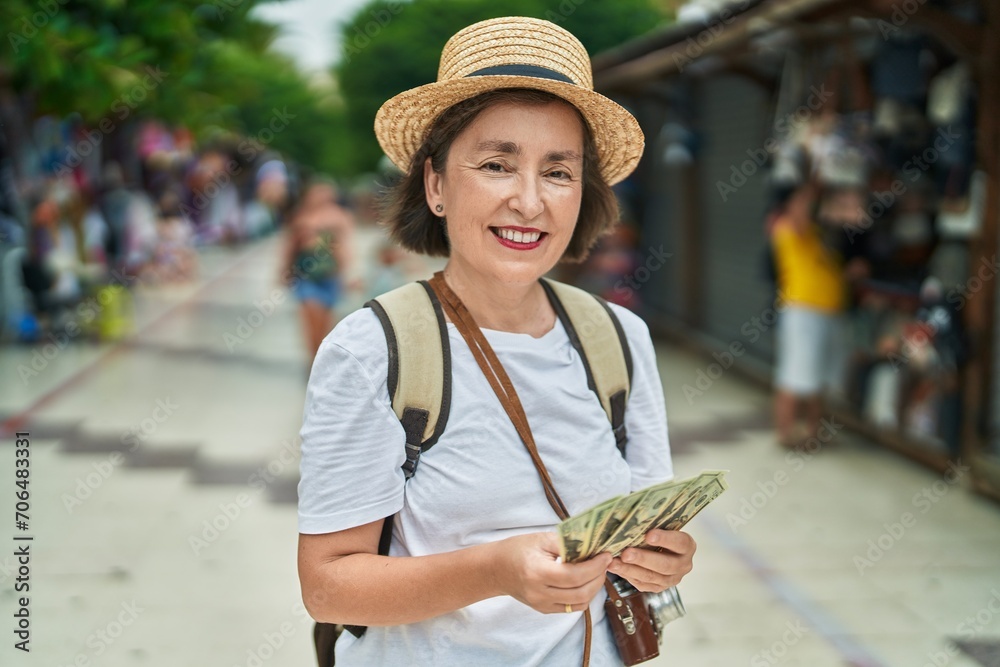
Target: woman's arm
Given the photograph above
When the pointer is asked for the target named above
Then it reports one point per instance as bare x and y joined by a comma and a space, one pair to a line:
344, 580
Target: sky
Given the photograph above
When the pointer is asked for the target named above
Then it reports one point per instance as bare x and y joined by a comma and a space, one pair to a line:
309, 28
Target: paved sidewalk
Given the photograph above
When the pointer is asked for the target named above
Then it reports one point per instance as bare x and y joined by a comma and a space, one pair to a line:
163, 479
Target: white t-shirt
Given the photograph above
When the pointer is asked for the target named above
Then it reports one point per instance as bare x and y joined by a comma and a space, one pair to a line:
477, 484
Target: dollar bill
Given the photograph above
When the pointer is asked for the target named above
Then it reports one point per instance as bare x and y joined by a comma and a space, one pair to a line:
574, 533
623, 521
682, 509
706, 494
582, 532
611, 520
643, 516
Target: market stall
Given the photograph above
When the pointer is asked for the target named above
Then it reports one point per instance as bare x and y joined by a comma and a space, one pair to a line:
892, 107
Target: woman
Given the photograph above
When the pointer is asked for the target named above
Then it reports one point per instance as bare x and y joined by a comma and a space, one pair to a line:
812, 292
317, 252
508, 157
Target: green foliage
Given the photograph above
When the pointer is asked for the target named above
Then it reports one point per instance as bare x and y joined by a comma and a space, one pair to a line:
389, 46
201, 63
206, 64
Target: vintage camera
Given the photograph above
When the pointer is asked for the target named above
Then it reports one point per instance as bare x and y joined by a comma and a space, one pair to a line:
663, 607
637, 619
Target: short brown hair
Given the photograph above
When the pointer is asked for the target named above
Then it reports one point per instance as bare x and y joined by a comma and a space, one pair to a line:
412, 224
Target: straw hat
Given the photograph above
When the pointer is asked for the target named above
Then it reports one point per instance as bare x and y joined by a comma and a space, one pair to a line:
511, 52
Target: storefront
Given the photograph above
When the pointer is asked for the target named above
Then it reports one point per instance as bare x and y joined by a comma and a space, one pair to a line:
893, 107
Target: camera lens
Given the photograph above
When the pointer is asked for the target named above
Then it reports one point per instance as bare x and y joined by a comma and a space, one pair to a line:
663, 608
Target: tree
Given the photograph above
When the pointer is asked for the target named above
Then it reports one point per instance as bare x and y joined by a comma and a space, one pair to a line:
205, 65
389, 46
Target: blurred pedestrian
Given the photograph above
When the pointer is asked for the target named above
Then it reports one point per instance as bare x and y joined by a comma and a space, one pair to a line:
174, 258
812, 294
215, 206
114, 201
318, 252
270, 196
49, 268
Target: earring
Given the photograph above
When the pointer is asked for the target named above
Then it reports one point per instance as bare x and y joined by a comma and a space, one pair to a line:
439, 208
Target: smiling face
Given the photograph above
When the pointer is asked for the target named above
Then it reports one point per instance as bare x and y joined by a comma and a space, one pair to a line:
511, 190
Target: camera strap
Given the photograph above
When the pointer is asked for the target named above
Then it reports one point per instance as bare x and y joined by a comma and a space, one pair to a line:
504, 389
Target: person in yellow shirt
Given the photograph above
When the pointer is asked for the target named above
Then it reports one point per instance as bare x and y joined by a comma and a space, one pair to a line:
812, 293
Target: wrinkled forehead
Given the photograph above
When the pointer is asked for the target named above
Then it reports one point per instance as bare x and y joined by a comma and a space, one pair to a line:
517, 127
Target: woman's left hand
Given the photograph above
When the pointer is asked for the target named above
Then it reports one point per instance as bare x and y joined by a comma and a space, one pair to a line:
660, 565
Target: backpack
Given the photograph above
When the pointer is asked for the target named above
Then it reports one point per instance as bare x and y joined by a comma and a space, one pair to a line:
419, 379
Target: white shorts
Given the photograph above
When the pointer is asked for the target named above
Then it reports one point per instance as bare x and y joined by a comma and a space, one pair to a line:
808, 353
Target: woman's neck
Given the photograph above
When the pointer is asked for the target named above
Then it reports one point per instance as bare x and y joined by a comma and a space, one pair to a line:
502, 307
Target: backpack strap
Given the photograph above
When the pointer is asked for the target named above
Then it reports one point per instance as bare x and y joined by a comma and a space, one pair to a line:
597, 334
419, 378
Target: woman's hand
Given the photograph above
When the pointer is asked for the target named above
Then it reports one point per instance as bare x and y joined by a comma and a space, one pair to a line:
528, 570
657, 569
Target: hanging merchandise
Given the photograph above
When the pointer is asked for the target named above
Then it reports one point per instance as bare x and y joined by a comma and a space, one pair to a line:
787, 165
844, 165
888, 120
948, 94
897, 70
953, 148
950, 263
920, 418
679, 144
845, 208
905, 145
913, 229
882, 396
962, 217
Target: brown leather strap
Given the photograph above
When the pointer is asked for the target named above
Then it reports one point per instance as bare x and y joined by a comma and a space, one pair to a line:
504, 388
